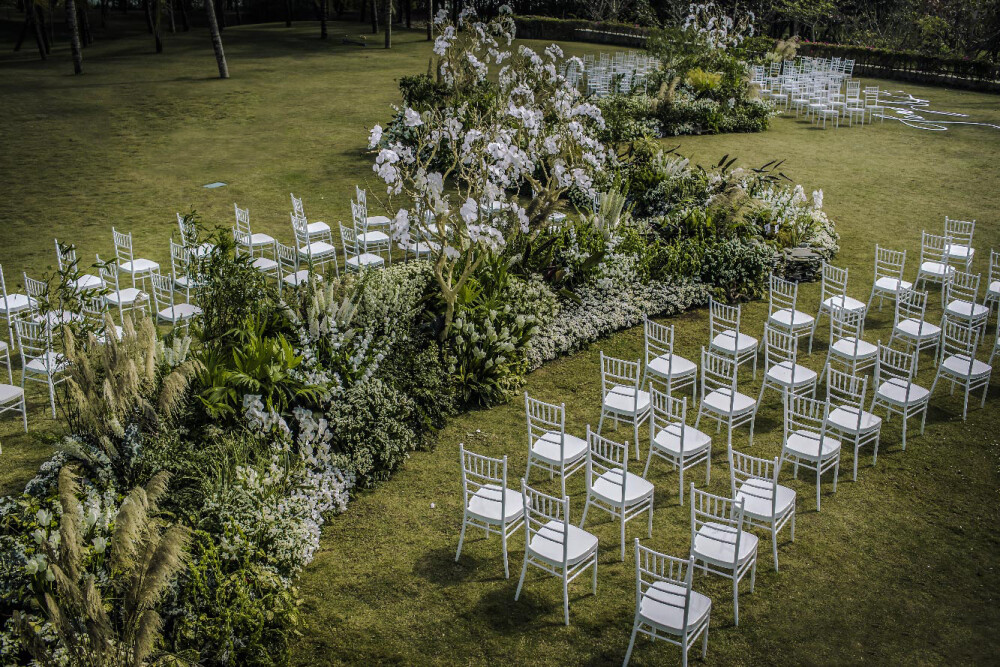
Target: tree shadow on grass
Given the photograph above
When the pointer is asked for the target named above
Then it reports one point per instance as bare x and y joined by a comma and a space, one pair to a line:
438, 566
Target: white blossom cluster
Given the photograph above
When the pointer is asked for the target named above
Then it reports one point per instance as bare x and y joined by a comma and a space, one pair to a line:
718, 29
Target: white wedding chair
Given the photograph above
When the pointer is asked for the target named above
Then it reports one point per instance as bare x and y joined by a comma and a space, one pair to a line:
993, 287
958, 363
355, 258
720, 399
39, 361
622, 398
66, 258
40, 298
672, 439
550, 447
487, 501
833, 295
807, 442
662, 364
189, 237
313, 253
847, 343
872, 105
319, 230
889, 265
12, 306
766, 504
181, 271
370, 236
267, 265
719, 542
167, 310
553, 544
961, 294
288, 268
127, 262
666, 607
934, 266
848, 419
895, 389
12, 399
725, 336
911, 328
129, 298
258, 241
784, 373
612, 488
959, 246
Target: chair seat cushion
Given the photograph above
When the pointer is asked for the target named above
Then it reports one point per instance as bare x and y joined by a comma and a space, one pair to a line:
845, 419
485, 503
125, 297
852, 348
805, 444
782, 374
727, 342
139, 266
993, 289
365, 259
609, 487
15, 303
625, 401
959, 251
297, 278
547, 543
958, 365
378, 221
182, 311
317, 227
850, 304
936, 268
967, 309
672, 366
895, 391
662, 605
718, 402
56, 363
317, 249
261, 240
547, 448
264, 264
918, 329
715, 543
888, 284
669, 440
757, 496
373, 237
87, 282
10, 393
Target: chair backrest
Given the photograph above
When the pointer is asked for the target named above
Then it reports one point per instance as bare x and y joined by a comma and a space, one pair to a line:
242, 219
994, 266
349, 240
962, 287
718, 372
361, 196
34, 340
667, 414
911, 305
3, 293
722, 318
725, 515
109, 273
484, 477
959, 339
607, 459
783, 295
180, 260
959, 231
546, 517
933, 248
37, 291
244, 246
188, 231
653, 567
658, 340
545, 419
806, 417
619, 373
834, 284
297, 207
889, 263
893, 364
853, 89
847, 324
871, 94
123, 244
780, 347
762, 473
163, 292
300, 227
288, 259
65, 255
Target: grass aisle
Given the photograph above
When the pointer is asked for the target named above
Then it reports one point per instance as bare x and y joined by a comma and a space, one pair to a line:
900, 566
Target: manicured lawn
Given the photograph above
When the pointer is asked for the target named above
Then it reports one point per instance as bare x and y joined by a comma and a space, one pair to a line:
898, 567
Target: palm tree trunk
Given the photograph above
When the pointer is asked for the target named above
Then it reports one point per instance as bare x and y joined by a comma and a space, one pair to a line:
213, 26
74, 36
288, 13
374, 17
388, 24
430, 20
322, 19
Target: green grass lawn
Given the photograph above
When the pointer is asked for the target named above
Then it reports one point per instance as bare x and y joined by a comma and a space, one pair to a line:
898, 567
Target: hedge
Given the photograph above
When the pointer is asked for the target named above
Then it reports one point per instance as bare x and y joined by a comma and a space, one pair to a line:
580, 30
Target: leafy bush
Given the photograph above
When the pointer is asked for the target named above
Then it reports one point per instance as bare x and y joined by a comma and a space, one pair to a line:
736, 269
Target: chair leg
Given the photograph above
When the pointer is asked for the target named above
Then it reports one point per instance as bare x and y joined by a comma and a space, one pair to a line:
600, 424
736, 600
52, 397
649, 459
649, 528
595, 574
503, 543
461, 538
774, 545
631, 642
623, 535
566, 598
635, 432
704, 642
586, 506
524, 570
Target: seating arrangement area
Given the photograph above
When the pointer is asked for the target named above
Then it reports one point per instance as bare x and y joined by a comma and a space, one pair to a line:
833, 411
821, 90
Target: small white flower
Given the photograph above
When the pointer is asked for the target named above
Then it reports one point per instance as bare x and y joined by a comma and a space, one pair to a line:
375, 136
411, 118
